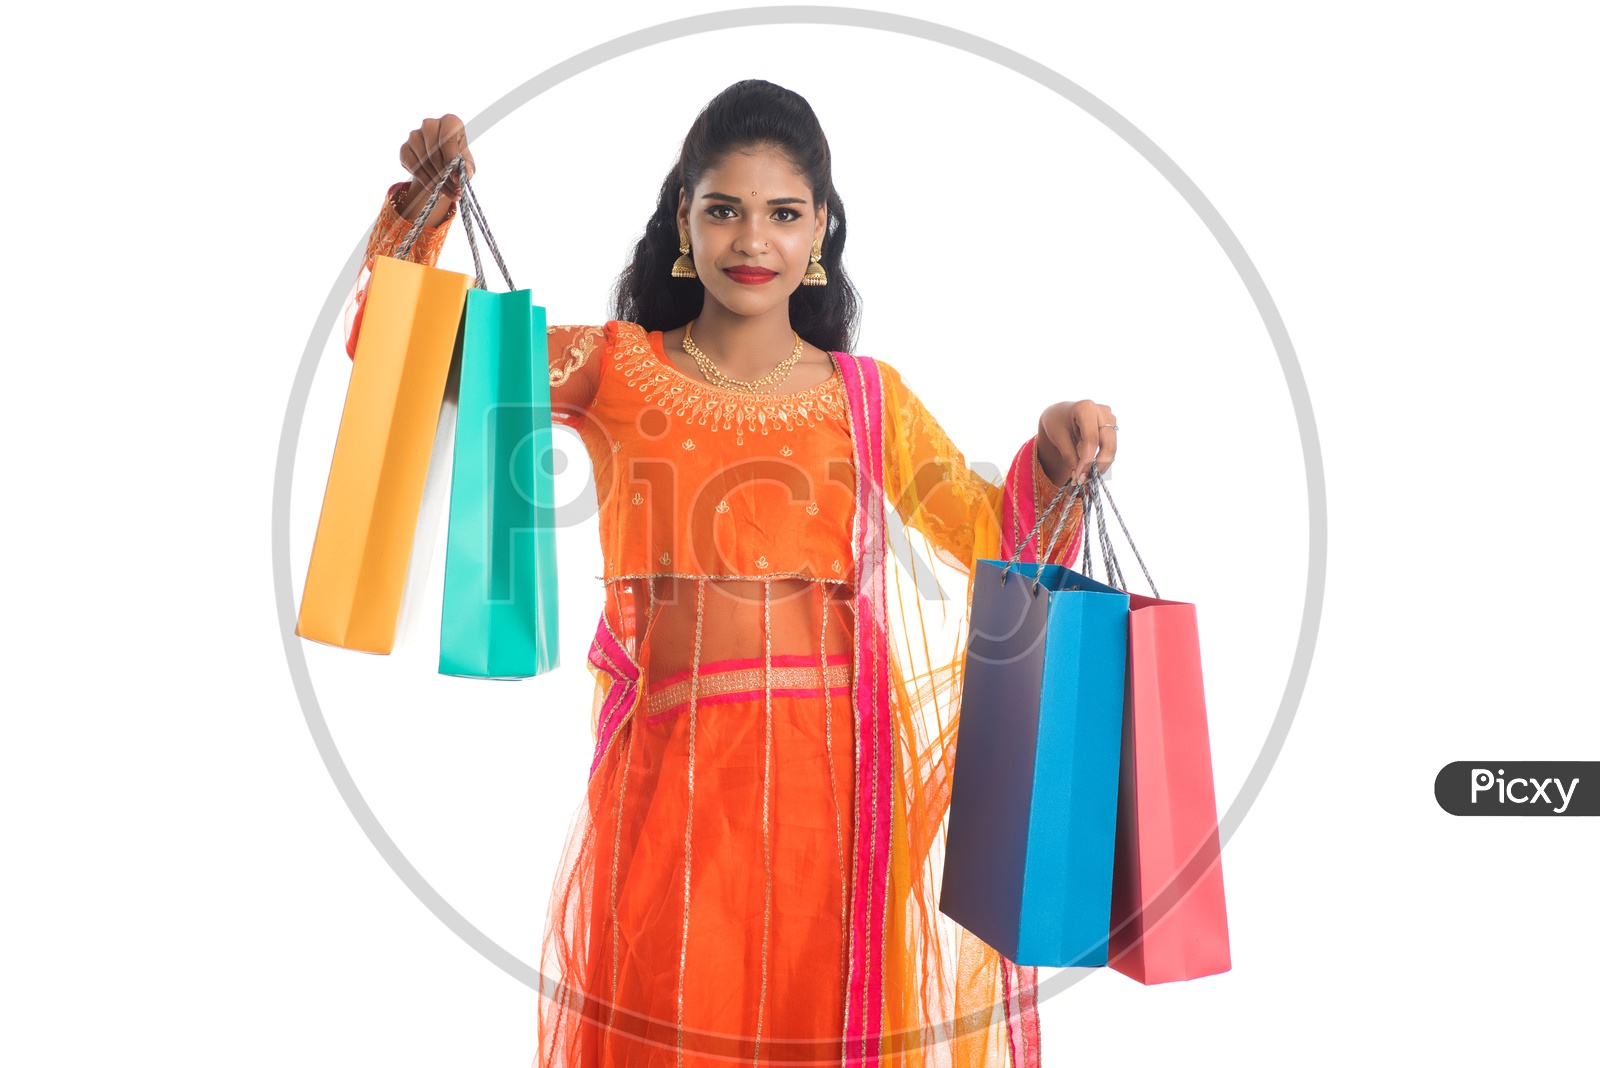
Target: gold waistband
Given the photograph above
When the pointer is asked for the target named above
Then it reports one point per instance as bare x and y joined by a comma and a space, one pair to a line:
749, 680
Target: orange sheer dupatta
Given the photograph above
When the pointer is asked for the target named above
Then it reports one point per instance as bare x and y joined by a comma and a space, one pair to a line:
955, 1002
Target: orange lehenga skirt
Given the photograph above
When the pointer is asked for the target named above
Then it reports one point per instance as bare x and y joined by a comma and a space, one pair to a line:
703, 911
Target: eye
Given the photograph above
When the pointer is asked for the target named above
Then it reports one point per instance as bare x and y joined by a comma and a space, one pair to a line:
713, 209
793, 215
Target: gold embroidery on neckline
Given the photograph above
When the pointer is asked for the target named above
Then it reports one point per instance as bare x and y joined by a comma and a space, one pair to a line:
719, 409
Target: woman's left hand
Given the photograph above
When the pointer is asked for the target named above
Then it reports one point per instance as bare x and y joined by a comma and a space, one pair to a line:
1074, 434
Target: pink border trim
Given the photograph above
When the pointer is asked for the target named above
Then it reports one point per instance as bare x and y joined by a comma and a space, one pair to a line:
874, 740
607, 654
1018, 512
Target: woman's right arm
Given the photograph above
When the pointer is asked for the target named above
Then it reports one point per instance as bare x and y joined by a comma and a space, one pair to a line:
426, 153
388, 233
573, 351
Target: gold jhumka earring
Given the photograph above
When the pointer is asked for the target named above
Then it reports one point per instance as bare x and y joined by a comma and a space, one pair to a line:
683, 267
815, 275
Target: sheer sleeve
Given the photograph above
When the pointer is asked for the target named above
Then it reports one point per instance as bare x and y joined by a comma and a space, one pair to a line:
576, 357
964, 516
574, 351
387, 234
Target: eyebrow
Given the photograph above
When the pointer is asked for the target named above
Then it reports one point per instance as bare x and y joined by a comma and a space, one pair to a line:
736, 200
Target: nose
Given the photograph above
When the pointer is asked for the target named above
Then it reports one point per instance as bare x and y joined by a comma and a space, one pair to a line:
752, 239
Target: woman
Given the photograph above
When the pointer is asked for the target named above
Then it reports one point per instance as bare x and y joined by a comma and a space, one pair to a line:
754, 876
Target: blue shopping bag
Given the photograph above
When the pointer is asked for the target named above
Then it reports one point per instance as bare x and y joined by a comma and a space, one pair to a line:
1033, 802
499, 618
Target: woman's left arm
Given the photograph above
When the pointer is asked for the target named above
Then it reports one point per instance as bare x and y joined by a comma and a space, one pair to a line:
965, 516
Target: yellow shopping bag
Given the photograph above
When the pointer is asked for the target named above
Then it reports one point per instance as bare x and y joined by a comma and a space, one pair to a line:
357, 573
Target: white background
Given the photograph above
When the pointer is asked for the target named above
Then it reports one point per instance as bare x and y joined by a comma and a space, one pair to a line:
1415, 184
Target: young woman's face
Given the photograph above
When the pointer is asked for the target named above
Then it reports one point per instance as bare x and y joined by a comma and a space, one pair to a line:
751, 223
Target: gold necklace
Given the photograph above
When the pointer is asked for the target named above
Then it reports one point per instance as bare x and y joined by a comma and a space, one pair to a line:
722, 381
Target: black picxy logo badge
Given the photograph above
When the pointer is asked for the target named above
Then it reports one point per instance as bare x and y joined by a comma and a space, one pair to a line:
1519, 788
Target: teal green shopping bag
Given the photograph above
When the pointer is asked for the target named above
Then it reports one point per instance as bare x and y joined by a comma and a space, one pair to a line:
499, 619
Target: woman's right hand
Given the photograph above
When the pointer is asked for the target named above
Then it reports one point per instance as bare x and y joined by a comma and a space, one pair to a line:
426, 153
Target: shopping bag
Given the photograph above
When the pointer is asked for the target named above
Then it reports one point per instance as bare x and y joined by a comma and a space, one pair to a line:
362, 549
499, 617
1033, 799
1168, 914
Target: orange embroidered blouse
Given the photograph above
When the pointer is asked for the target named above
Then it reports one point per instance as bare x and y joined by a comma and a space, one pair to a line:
712, 482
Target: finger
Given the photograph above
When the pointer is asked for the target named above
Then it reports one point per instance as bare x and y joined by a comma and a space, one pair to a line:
440, 156
1108, 439
451, 142
453, 133
421, 167
1069, 456
1086, 418
437, 149
1055, 430
411, 154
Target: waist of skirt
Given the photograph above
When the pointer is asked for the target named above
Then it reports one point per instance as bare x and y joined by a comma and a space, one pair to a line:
743, 678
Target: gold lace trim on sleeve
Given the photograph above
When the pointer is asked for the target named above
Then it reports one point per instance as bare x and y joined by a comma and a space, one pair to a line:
392, 227
583, 343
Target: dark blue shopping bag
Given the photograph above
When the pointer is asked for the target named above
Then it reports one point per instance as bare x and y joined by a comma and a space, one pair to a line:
1033, 803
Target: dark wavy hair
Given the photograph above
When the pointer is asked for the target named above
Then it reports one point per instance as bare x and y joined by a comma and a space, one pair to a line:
745, 115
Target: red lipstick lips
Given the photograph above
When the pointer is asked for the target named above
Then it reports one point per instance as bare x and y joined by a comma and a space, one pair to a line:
750, 276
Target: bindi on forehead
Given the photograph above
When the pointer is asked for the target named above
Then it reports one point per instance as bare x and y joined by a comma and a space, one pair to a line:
754, 195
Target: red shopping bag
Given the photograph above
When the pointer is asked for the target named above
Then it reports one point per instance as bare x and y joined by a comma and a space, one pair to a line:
1169, 919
